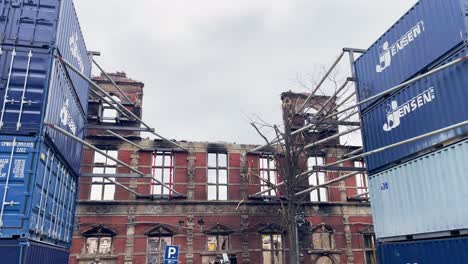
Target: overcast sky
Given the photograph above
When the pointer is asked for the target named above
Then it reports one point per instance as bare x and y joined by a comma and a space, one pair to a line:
208, 65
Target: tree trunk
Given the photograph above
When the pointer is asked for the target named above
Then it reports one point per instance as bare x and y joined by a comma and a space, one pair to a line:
290, 172
292, 234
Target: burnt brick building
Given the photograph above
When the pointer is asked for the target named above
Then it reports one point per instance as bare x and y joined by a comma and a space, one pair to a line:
210, 211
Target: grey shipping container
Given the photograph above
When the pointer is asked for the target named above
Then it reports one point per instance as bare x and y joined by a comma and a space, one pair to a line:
432, 103
430, 29
426, 195
48, 24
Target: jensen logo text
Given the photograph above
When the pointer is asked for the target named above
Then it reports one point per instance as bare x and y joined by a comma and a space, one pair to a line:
66, 118
395, 113
75, 51
387, 52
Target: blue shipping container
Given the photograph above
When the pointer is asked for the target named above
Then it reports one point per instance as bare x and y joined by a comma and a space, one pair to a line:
437, 251
425, 33
425, 196
48, 24
432, 103
41, 190
38, 78
23, 251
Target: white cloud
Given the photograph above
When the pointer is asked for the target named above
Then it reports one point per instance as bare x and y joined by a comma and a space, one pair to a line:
205, 62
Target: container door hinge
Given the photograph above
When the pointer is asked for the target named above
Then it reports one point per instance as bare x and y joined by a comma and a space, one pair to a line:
12, 203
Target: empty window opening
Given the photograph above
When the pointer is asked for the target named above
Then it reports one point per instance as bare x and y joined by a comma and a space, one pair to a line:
217, 178
101, 188
109, 113
156, 247
272, 249
369, 248
269, 175
163, 171
317, 178
361, 179
323, 238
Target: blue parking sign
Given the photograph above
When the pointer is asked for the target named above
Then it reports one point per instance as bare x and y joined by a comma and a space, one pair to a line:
171, 255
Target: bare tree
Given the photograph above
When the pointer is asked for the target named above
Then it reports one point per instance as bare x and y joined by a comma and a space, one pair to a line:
306, 123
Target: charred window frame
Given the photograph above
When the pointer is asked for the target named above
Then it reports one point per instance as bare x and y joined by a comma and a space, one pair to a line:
98, 240
217, 238
323, 237
217, 243
157, 239
272, 248
362, 184
217, 176
110, 114
156, 246
162, 170
316, 178
268, 173
103, 189
369, 248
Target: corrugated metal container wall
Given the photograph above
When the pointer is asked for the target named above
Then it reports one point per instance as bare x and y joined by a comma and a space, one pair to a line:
72, 47
426, 32
40, 197
24, 72
437, 251
24, 251
48, 24
41, 79
425, 195
63, 110
432, 103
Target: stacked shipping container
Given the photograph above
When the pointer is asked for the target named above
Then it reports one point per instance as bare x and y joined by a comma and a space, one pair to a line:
417, 188
38, 166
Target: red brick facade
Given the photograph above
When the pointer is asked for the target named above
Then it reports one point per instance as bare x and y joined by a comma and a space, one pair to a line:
334, 234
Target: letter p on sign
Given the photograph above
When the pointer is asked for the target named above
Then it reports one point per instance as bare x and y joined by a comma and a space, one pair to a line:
171, 254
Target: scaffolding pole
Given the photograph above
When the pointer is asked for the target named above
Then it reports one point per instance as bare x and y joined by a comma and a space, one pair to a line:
118, 175
329, 71
339, 90
384, 93
112, 81
435, 132
118, 109
150, 130
395, 88
304, 129
344, 177
105, 154
121, 185
124, 139
359, 195
351, 51
120, 128
363, 155
332, 137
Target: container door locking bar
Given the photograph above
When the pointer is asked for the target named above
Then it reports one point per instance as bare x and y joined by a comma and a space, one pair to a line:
7, 182
42, 191
23, 99
5, 97
46, 199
